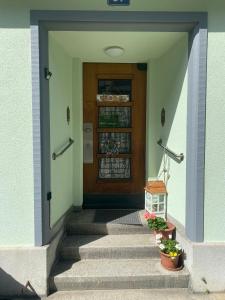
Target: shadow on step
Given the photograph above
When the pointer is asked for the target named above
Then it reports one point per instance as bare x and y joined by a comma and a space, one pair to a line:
78, 241
114, 216
62, 267
106, 221
118, 216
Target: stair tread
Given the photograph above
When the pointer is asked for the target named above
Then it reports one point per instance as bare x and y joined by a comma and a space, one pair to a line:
114, 268
133, 294
109, 241
111, 250
112, 219
107, 216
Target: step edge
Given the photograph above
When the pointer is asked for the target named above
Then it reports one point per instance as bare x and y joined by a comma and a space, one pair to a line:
152, 246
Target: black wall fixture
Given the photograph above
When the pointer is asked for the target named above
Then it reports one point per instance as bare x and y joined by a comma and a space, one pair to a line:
68, 115
163, 116
119, 2
47, 73
142, 66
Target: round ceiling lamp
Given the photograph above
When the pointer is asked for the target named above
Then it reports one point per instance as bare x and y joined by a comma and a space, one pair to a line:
114, 51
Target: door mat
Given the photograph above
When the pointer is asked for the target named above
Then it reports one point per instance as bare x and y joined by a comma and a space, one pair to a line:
114, 216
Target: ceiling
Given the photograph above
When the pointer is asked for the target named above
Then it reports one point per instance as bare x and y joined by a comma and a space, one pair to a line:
139, 46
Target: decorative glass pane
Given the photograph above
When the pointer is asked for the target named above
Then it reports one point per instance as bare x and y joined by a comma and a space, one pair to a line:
114, 117
161, 198
161, 207
114, 142
155, 199
154, 207
115, 87
114, 168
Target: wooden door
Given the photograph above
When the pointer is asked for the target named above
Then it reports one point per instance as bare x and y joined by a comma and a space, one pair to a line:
114, 135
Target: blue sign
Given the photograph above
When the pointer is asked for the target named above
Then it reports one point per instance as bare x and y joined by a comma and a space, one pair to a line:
119, 2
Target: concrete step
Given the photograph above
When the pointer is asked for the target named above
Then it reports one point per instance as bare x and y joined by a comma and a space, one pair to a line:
135, 294
103, 222
103, 229
115, 274
109, 246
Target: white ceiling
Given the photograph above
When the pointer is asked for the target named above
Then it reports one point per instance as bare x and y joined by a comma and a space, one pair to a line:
139, 46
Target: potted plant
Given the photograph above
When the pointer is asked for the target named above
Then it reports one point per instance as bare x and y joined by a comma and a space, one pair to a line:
161, 228
170, 254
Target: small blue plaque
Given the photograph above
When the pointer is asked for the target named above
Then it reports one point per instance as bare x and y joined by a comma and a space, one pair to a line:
118, 2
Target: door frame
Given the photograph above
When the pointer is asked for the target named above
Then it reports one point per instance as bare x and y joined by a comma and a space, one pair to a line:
195, 23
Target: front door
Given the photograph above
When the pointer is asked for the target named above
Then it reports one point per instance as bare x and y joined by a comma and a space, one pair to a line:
114, 135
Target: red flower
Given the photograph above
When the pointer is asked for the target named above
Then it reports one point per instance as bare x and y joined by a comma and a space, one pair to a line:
148, 216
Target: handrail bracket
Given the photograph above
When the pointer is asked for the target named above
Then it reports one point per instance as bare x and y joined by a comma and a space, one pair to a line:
177, 157
67, 146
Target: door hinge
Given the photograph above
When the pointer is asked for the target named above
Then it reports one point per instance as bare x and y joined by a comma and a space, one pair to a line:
49, 196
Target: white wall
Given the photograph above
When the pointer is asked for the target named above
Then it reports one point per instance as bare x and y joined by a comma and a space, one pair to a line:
167, 88
60, 90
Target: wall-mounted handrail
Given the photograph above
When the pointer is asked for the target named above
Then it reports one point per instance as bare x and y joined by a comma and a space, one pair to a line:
177, 157
67, 146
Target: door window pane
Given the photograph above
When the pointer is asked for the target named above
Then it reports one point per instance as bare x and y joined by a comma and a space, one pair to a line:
115, 87
114, 117
114, 142
114, 168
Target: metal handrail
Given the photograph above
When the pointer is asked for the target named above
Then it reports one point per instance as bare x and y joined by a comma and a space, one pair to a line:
177, 157
55, 155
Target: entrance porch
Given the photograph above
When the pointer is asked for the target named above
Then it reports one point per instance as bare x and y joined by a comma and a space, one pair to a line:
111, 249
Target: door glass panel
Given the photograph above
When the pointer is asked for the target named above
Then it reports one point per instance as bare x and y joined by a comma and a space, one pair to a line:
114, 117
115, 87
114, 168
114, 143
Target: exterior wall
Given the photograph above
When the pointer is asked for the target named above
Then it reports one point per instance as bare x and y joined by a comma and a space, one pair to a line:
60, 92
78, 132
167, 88
16, 151
204, 261
16, 122
215, 141
25, 270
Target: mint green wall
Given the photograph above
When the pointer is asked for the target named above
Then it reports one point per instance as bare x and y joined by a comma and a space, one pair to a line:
16, 164
78, 132
167, 87
16, 157
215, 138
60, 92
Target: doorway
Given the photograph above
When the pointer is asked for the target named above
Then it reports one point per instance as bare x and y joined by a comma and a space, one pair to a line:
195, 24
114, 134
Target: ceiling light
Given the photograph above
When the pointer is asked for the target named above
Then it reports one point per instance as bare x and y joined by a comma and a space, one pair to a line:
114, 51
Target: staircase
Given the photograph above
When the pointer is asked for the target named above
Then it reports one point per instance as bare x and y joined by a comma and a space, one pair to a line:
111, 250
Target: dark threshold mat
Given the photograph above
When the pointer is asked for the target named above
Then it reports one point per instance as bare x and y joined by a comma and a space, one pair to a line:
124, 216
